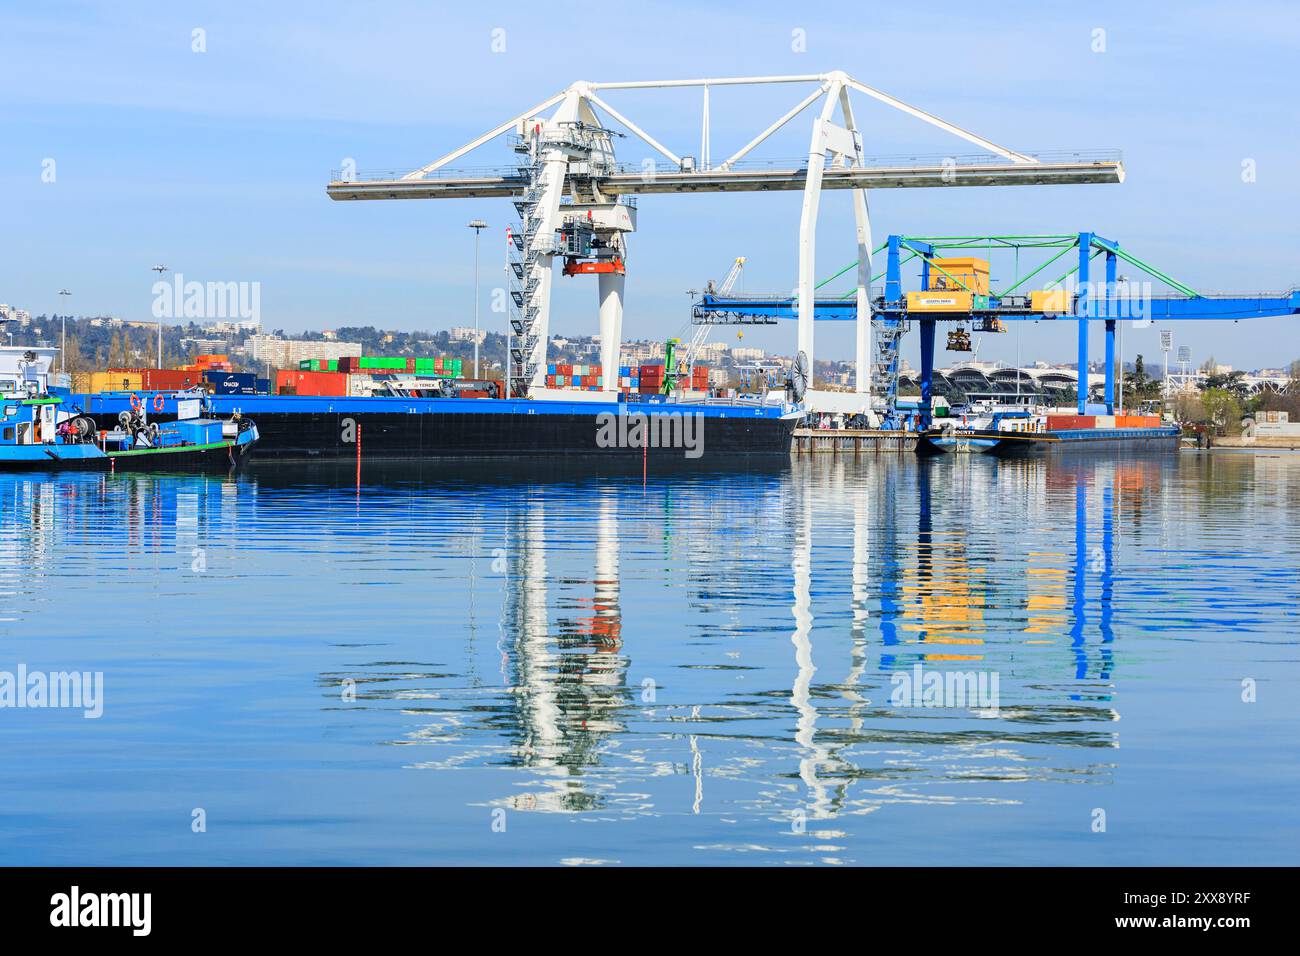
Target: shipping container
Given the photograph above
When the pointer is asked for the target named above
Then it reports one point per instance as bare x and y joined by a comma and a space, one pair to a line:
1137, 421
293, 382
318, 365
234, 383
117, 380
168, 379
1059, 422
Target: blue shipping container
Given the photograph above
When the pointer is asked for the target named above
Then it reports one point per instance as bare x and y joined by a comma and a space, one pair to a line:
231, 383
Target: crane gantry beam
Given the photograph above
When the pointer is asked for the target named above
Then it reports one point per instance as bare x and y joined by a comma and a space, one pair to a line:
571, 154
1108, 168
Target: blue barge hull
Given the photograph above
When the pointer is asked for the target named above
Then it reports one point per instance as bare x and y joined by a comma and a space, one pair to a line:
307, 428
1064, 441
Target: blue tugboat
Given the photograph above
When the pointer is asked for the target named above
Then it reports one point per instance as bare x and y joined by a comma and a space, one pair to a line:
37, 432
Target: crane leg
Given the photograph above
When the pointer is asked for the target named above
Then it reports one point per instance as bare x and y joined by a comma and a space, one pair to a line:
1110, 366
611, 327
927, 371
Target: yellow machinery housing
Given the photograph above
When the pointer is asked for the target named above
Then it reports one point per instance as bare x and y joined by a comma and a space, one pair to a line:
940, 301
1050, 301
966, 274
954, 285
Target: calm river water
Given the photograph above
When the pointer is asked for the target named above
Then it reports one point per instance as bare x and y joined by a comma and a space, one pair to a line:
882, 661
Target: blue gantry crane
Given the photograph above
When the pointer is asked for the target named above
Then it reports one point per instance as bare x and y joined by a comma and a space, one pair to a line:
955, 289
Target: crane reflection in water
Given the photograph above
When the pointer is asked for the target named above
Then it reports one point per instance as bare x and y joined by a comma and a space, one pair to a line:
718, 650
946, 595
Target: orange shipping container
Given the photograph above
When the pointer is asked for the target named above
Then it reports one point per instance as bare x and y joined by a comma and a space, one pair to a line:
1137, 421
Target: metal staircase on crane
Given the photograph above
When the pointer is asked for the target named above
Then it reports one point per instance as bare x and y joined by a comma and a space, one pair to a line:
703, 329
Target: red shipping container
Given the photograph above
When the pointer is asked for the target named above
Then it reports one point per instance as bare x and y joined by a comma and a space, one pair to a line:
311, 383
167, 379
1059, 422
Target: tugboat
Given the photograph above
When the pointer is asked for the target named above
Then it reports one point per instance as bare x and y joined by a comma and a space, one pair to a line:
999, 431
38, 433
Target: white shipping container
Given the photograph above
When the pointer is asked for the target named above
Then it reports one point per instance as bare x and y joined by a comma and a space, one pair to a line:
1277, 429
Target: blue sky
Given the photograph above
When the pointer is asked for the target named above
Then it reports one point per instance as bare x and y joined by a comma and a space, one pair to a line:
215, 163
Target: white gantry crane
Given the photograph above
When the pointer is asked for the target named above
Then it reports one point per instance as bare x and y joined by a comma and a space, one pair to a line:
575, 201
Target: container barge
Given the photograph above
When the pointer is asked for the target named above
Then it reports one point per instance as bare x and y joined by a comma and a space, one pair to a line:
1019, 432
312, 428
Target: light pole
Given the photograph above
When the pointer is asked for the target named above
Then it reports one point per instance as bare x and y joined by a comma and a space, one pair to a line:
478, 225
160, 269
1166, 343
63, 338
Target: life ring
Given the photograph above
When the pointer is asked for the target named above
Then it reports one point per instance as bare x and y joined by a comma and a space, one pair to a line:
159, 403
136, 404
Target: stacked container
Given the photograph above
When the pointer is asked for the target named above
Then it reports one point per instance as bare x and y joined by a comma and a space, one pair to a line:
230, 383
439, 366
296, 382
652, 379
208, 363
318, 365
587, 378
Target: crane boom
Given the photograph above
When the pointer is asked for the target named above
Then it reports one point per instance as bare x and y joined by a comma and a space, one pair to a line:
702, 331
